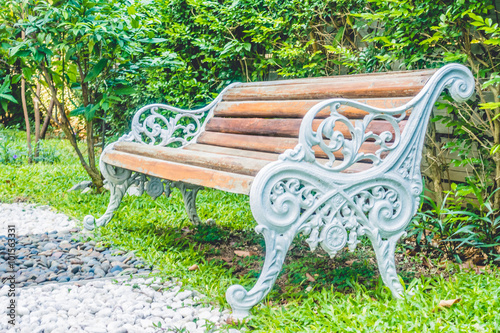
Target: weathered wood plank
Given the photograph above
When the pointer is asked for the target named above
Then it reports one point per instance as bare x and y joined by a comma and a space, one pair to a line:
232, 152
266, 143
353, 77
298, 108
356, 167
285, 127
221, 180
402, 86
234, 164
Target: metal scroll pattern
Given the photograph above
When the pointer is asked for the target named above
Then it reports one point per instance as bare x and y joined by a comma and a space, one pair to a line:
332, 219
456, 78
331, 141
149, 126
336, 218
120, 180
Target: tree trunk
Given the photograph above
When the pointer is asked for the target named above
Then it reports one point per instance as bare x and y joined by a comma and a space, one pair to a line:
46, 122
65, 125
36, 109
26, 119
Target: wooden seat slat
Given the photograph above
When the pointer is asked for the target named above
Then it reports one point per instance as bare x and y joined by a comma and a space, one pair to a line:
298, 108
285, 127
236, 164
232, 152
221, 180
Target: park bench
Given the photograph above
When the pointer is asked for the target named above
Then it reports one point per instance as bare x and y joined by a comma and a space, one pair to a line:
333, 158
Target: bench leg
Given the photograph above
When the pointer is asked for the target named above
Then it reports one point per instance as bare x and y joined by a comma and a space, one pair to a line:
277, 246
189, 193
119, 181
385, 253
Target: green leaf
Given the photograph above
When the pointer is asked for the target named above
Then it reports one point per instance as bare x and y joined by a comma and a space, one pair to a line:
495, 41
475, 17
78, 111
96, 70
45, 50
4, 104
495, 149
124, 91
490, 106
27, 73
9, 98
90, 111
69, 54
152, 40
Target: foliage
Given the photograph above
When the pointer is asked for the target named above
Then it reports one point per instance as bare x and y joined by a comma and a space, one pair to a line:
12, 151
82, 45
5, 93
211, 44
460, 223
423, 34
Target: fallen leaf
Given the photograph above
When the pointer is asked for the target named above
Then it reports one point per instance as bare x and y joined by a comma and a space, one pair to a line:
194, 268
449, 302
310, 278
427, 263
467, 265
242, 253
349, 262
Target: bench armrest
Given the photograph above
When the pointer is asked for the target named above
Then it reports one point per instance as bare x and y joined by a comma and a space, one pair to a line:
153, 128
456, 78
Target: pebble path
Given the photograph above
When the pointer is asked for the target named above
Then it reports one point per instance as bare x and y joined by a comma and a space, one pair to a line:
66, 284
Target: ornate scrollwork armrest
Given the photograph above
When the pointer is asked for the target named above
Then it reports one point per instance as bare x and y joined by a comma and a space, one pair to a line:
456, 78
153, 128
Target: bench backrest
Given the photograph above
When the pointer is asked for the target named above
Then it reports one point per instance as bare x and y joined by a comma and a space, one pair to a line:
266, 116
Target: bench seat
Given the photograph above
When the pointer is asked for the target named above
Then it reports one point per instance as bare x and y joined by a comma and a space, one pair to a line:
222, 168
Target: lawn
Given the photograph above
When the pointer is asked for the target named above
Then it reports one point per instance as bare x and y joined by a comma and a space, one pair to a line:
313, 293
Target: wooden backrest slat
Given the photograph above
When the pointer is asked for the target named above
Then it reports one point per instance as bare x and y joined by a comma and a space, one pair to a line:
350, 77
364, 87
298, 108
285, 127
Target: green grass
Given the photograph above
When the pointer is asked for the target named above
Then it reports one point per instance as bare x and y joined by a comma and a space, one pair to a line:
154, 230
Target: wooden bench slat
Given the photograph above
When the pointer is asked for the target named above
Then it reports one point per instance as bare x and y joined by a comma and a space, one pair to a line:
232, 152
298, 108
285, 127
353, 77
266, 143
234, 164
221, 180
357, 167
365, 87
235, 161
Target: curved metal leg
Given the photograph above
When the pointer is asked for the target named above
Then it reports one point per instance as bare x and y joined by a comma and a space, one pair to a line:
189, 193
384, 250
119, 181
277, 246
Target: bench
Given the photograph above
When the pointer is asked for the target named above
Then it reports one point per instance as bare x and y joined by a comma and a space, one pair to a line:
333, 158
